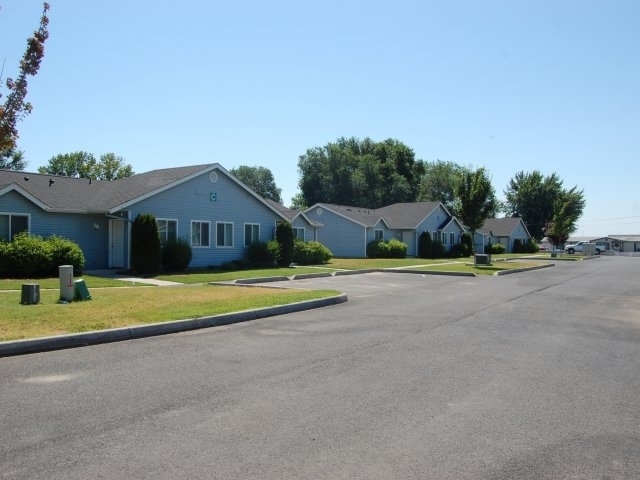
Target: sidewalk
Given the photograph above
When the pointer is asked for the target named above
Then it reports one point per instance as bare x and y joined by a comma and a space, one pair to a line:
129, 279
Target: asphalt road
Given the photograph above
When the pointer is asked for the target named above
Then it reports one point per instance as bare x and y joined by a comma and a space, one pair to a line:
526, 376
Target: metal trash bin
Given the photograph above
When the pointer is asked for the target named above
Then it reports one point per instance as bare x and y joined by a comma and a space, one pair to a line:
30, 294
80, 290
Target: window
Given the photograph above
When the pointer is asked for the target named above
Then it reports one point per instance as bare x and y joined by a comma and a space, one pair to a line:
251, 233
11, 225
224, 234
199, 233
378, 235
435, 237
168, 229
452, 239
298, 233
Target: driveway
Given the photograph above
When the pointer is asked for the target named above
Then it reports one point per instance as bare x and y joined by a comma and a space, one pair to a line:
528, 376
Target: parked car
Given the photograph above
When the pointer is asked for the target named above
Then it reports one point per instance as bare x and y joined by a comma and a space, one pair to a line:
579, 247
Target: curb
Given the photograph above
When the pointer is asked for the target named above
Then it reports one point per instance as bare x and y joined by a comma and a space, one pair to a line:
430, 272
19, 347
526, 269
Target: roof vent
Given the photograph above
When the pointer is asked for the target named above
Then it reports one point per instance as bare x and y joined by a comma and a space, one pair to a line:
51, 182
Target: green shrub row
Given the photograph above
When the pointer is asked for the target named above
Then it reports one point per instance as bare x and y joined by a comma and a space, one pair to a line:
427, 248
31, 256
391, 249
264, 254
310, 253
529, 247
494, 248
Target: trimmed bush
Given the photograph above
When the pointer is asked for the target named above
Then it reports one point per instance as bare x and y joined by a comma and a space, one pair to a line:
458, 250
284, 236
425, 245
176, 255
263, 254
274, 251
495, 248
146, 249
31, 256
65, 252
310, 253
438, 250
391, 249
467, 243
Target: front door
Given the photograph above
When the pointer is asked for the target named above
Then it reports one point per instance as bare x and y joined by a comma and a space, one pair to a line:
116, 244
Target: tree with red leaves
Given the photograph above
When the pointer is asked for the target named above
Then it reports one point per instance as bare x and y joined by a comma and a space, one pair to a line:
15, 108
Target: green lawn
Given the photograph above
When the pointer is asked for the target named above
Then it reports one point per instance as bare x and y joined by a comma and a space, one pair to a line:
54, 283
121, 307
217, 275
469, 267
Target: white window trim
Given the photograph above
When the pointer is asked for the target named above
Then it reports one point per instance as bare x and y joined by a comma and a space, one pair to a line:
375, 234
14, 214
232, 234
244, 230
169, 220
191, 234
304, 233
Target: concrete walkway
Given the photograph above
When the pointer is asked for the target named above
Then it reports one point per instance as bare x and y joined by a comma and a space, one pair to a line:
129, 278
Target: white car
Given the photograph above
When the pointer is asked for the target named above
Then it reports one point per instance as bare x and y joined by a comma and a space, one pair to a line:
579, 247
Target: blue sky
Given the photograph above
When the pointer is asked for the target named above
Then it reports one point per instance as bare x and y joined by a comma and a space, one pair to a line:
506, 85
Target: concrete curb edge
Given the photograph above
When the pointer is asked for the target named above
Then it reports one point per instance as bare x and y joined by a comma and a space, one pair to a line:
20, 347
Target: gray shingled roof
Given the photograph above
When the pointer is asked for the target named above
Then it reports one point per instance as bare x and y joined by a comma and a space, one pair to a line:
80, 195
398, 215
407, 215
500, 227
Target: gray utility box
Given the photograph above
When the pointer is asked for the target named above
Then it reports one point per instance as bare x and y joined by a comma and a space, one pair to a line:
482, 259
589, 248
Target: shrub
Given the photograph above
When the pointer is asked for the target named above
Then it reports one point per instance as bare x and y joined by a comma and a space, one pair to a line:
458, 250
274, 251
495, 248
531, 246
146, 250
425, 245
284, 236
438, 250
263, 253
467, 243
31, 256
391, 249
176, 255
517, 246
310, 253
65, 252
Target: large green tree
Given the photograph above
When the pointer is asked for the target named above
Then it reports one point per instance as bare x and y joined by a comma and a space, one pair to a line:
84, 165
260, 179
532, 197
15, 107
12, 159
359, 172
476, 199
567, 209
439, 181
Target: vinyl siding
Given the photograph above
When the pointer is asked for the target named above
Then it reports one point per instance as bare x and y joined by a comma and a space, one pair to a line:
343, 237
192, 201
78, 228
